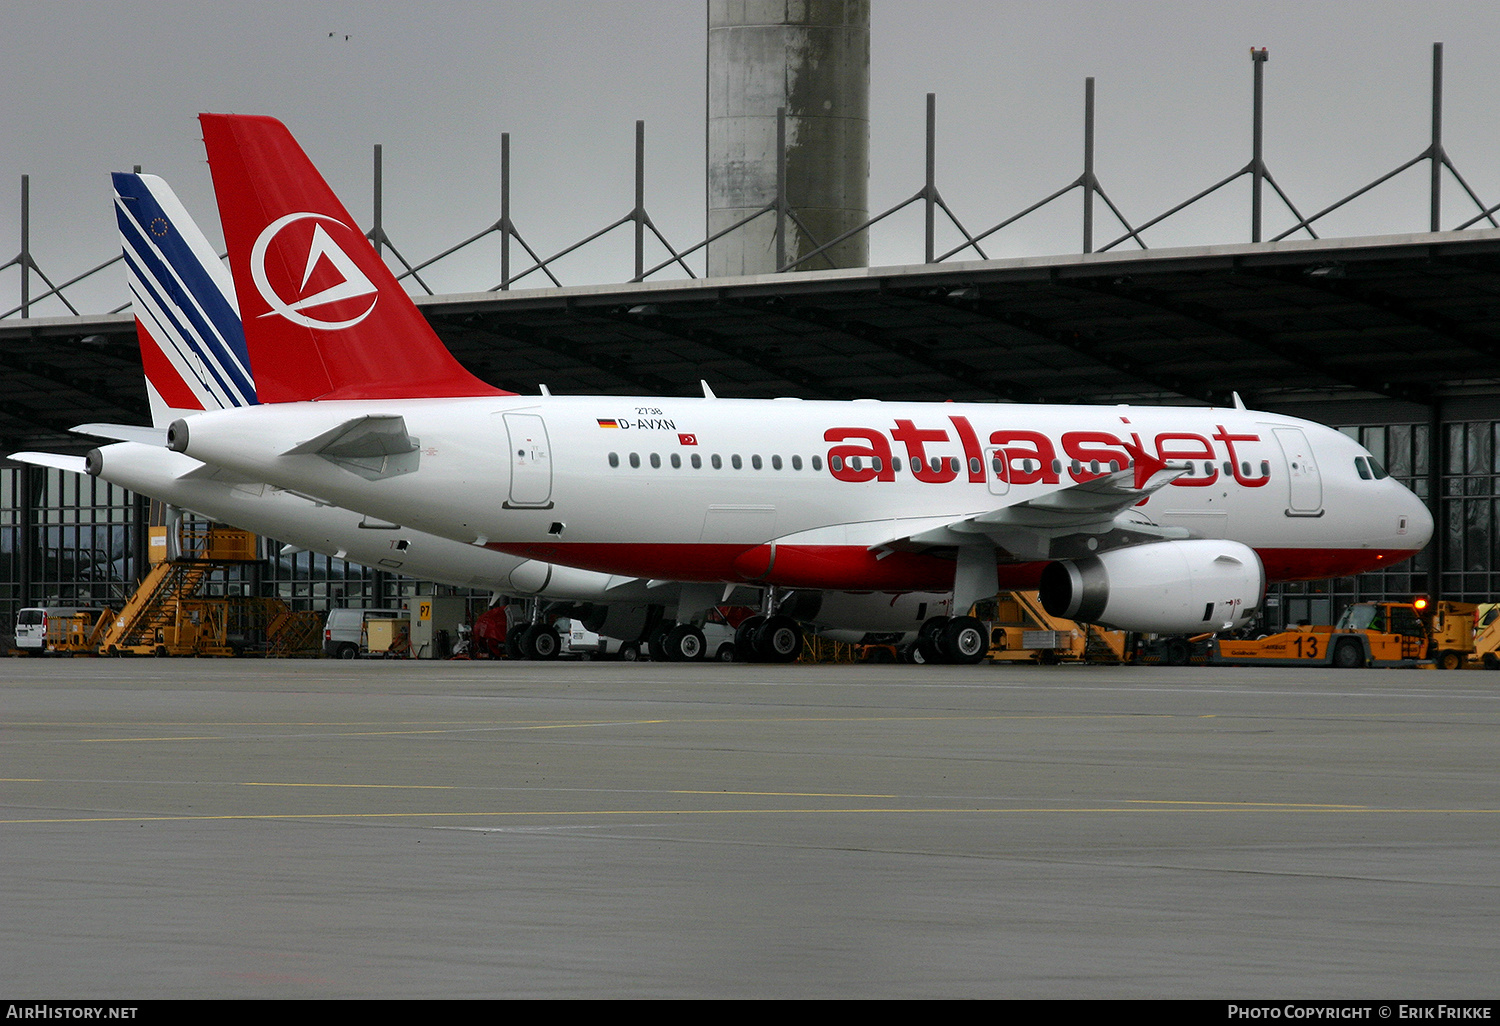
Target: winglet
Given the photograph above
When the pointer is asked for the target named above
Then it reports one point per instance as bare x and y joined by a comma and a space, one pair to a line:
324, 317
1145, 464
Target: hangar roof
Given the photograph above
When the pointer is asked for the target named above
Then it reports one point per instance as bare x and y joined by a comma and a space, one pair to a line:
1413, 319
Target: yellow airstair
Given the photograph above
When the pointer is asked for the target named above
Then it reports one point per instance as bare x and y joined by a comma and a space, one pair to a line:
167, 615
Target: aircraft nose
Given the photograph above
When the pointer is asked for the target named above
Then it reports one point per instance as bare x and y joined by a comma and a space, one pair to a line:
1418, 518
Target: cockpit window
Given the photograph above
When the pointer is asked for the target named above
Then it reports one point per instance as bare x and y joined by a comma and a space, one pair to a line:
1379, 471
1363, 468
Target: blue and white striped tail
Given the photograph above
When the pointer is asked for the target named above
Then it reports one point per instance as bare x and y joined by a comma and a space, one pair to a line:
187, 320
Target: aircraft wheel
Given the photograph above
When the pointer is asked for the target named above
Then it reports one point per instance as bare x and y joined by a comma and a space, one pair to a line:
725, 653
630, 653
928, 636
541, 642
744, 639
779, 640
913, 654
1179, 652
964, 640
685, 644
1348, 656
657, 644
1447, 660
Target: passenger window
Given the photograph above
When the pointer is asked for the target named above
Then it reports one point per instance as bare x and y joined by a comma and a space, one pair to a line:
676, 461
755, 462
835, 462
635, 460
975, 466
655, 461
775, 462
716, 461
736, 461
796, 462
697, 461
817, 463
896, 464
614, 459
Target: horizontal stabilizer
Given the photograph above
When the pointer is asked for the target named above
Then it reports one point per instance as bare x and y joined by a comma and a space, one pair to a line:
124, 433
72, 464
361, 437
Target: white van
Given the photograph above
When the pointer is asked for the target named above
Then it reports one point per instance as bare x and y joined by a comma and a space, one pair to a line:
344, 630
33, 623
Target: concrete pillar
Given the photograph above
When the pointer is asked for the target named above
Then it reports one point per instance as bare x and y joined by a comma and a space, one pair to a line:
813, 58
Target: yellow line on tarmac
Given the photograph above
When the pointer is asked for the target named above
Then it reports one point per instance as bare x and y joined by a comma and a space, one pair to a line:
1250, 805
377, 733
895, 810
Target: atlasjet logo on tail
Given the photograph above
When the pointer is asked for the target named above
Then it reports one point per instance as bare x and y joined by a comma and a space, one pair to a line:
354, 283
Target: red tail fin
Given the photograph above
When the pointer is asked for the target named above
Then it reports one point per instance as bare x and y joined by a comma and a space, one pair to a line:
324, 318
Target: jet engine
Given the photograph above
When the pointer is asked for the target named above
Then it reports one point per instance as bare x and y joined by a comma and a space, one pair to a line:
1170, 587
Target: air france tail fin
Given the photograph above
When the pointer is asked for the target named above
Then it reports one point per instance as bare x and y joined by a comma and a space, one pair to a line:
192, 344
324, 317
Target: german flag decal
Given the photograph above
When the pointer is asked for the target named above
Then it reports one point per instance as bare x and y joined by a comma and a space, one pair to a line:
609, 423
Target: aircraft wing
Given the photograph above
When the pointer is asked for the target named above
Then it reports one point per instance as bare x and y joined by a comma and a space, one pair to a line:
1052, 525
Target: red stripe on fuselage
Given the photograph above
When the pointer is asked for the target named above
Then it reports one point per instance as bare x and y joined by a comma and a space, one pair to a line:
856, 568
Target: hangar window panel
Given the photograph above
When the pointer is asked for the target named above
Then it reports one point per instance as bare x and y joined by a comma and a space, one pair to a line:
1479, 449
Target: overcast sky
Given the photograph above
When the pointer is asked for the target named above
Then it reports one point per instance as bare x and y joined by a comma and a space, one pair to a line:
93, 87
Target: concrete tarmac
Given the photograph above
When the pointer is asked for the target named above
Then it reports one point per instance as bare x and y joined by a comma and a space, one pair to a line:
200, 828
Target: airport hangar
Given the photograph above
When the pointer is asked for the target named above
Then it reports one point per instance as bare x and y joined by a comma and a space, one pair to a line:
1394, 339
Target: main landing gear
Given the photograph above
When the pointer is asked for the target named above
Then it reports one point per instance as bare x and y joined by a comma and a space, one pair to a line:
768, 639
533, 641
678, 643
961, 640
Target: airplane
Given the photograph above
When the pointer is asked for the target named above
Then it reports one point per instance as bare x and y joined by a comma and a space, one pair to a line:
193, 352
1166, 520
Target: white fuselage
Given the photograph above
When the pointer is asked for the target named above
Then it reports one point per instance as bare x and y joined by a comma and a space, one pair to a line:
698, 489
291, 518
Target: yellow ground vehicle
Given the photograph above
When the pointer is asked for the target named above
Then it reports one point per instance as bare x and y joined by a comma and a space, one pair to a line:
1368, 634
1023, 631
1487, 638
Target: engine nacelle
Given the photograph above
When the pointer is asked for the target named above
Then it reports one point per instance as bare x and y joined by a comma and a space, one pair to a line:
1169, 587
